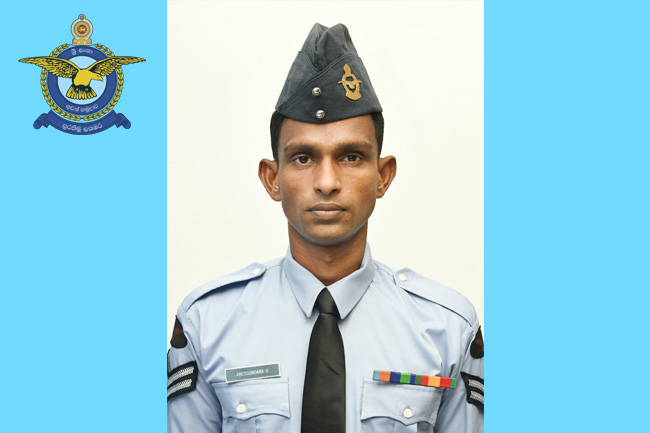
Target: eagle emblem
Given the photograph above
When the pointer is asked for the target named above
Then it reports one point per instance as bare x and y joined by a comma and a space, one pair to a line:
80, 88
67, 78
351, 84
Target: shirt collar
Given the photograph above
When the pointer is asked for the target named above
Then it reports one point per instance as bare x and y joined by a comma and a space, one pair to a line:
346, 292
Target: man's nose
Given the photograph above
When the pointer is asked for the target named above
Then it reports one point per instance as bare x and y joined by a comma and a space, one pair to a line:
327, 177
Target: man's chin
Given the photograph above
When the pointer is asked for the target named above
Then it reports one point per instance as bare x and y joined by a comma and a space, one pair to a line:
328, 238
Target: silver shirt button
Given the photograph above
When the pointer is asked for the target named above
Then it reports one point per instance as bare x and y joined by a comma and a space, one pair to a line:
320, 114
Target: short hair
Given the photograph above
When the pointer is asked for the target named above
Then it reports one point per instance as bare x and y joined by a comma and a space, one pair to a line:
276, 125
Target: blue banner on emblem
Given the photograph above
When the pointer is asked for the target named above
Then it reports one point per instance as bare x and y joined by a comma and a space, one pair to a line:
77, 128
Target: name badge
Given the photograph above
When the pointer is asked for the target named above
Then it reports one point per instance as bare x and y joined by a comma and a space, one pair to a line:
264, 371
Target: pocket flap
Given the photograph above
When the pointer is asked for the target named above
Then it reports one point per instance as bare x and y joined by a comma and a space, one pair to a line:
405, 403
248, 399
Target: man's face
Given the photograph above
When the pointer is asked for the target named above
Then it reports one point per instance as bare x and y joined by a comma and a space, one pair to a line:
328, 178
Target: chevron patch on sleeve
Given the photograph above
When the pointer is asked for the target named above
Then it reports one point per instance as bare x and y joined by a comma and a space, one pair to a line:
181, 380
474, 387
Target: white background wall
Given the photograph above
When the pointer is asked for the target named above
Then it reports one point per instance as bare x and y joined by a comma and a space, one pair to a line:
227, 62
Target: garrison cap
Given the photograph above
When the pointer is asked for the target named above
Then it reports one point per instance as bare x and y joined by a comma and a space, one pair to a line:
327, 81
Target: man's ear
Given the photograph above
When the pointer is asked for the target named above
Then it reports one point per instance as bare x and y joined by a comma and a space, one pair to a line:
387, 171
268, 173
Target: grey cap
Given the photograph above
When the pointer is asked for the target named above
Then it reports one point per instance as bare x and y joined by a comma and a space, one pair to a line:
327, 81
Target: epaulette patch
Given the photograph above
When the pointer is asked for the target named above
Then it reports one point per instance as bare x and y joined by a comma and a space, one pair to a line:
433, 291
182, 380
476, 348
474, 387
178, 336
250, 272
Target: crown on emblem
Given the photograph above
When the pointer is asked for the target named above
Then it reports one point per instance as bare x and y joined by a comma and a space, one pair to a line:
81, 30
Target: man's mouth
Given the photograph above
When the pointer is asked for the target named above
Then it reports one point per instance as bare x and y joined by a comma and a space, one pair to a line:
327, 211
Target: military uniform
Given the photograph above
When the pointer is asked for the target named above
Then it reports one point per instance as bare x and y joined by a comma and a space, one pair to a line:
263, 315
413, 350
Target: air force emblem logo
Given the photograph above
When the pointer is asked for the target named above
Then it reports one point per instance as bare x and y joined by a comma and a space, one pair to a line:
82, 83
350, 83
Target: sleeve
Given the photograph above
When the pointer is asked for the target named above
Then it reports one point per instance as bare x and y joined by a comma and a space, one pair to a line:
461, 409
192, 405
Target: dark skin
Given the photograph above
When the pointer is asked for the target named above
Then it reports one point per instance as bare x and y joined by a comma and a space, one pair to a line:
328, 178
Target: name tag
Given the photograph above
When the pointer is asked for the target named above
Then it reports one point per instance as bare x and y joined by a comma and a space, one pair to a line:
264, 371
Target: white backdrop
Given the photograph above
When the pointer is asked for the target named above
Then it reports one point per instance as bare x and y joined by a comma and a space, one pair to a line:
227, 62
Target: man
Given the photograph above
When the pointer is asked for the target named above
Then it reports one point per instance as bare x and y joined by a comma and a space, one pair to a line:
326, 339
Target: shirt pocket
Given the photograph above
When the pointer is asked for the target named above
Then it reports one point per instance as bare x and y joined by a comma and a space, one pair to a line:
390, 407
254, 406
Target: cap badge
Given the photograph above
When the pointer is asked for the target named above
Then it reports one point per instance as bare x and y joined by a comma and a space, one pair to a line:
350, 84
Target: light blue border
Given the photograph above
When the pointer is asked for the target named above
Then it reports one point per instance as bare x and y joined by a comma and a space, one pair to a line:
567, 155
83, 245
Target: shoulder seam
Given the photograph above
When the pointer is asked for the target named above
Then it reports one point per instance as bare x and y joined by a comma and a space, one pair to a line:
445, 296
251, 272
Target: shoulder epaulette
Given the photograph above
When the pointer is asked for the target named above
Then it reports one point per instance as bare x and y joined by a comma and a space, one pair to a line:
254, 270
445, 296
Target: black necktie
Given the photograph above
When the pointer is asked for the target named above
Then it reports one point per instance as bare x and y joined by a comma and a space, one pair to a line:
323, 401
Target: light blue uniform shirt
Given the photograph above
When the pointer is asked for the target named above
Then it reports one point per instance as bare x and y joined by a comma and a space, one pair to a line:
264, 314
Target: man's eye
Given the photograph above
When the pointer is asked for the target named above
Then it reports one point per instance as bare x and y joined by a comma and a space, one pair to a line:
352, 158
302, 159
